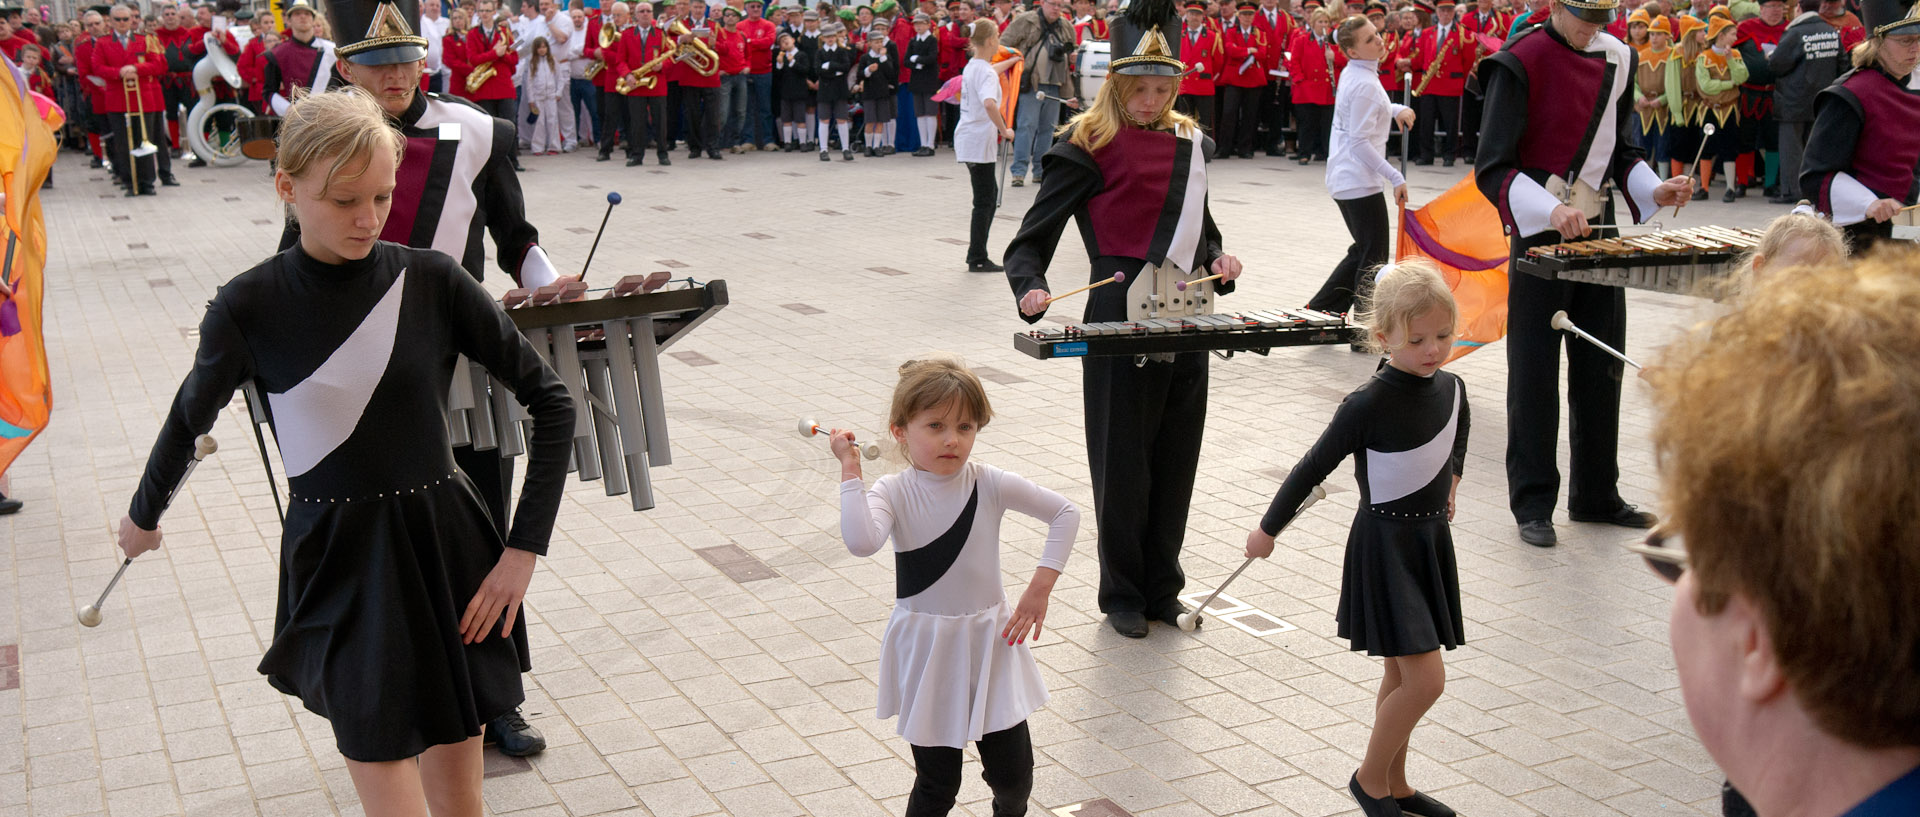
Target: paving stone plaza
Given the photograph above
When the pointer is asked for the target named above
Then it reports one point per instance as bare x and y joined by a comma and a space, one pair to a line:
717, 654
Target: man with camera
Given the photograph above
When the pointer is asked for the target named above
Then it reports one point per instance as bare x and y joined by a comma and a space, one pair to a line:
1045, 38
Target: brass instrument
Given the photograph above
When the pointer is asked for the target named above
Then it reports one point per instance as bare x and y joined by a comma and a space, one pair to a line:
696, 54
1443, 51
136, 113
646, 76
486, 70
608, 37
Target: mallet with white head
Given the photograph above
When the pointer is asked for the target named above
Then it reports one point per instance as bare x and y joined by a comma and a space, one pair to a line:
1191, 618
809, 428
1565, 324
203, 446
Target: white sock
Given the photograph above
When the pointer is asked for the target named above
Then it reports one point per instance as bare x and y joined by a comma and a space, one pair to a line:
888, 129
823, 136
845, 131
810, 122
926, 130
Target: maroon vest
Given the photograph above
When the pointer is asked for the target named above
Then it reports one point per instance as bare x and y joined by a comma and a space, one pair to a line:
1564, 87
1888, 110
297, 62
1135, 214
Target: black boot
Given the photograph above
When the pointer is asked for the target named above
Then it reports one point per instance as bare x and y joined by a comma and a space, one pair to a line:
9, 505
514, 736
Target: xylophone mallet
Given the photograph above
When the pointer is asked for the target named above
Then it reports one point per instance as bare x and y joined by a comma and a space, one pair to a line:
809, 428
1565, 324
1706, 131
1117, 278
1182, 285
203, 447
1191, 619
612, 199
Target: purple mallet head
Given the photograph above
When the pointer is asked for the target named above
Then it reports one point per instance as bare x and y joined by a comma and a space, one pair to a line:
613, 198
1119, 277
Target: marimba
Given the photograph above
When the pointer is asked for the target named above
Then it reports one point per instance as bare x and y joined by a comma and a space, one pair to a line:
1682, 262
1256, 331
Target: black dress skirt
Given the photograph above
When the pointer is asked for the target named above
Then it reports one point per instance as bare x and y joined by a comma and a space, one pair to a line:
385, 540
1400, 588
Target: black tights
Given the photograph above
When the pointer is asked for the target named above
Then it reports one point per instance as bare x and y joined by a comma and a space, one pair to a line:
1006, 758
985, 188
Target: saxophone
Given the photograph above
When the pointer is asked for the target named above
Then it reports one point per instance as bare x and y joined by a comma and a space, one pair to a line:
647, 75
607, 39
487, 69
1443, 51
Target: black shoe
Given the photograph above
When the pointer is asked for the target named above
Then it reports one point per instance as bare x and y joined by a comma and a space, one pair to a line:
1246, 154
9, 505
1740, 192
823, 157
887, 150
514, 736
1700, 195
1782, 200
1170, 614
149, 192
1304, 161
846, 155
693, 154
96, 164
1423, 162
925, 151
873, 152
1131, 625
1373, 806
715, 155
1626, 516
516, 166
169, 181
1447, 163
665, 160
984, 266
197, 161
1469, 160
603, 157
633, 162
1728, 197
1420, 805
1538, 533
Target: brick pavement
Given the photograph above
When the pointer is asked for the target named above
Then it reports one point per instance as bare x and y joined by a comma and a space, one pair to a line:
666, 688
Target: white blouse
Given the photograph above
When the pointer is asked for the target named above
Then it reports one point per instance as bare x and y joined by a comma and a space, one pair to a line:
974, 139
1362, 115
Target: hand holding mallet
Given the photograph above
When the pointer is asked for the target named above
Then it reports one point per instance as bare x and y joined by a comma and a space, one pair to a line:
135, 540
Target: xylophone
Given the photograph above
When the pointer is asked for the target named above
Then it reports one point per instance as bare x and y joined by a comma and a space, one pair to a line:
1255, 331
1682, 262
606, 350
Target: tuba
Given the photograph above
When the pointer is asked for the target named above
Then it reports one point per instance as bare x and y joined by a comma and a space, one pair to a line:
696, 54
487, 69
608, 37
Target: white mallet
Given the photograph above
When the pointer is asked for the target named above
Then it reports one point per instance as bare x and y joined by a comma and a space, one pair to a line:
1706, 131
809, 428
1191, 619
1565, 324
203, 446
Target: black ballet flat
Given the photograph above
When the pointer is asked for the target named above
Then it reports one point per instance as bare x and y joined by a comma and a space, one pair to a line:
1420, 805
1373, 806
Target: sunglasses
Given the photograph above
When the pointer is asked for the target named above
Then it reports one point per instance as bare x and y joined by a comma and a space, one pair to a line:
1664, 555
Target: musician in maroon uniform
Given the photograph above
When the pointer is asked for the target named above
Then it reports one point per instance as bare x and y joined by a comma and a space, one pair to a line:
302, 60
121, 57
1243, 79
1123, 171
1440, 66
1559, 106
1862, 182
455, 179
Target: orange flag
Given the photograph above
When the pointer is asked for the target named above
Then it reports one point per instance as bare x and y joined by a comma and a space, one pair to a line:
27, 150
1461, 232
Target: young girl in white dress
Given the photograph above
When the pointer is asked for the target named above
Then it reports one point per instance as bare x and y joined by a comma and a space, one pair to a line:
954, 665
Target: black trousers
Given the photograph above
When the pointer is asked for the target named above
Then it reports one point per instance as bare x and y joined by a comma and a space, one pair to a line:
1436, 113
1006, 761
125, 139
703, 115
1471, 109
1199, 107
1239, 118
1144, 425
985, 186
613, 120
1275, 105
1366, 219
1863, 235
949, 117
492, 474
1533, 391
1314, 124
647, 124
508, 109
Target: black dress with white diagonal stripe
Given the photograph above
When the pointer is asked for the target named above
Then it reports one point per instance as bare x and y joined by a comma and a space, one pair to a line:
385, 541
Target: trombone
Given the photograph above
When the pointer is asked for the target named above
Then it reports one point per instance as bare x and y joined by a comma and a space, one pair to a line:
136, 113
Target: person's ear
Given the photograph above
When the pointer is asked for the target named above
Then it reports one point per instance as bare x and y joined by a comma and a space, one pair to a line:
283, 186
899, 433
1761, 677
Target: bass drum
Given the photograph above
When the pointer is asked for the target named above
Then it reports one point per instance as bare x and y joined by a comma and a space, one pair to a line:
212, 134
1092, 60
259, 136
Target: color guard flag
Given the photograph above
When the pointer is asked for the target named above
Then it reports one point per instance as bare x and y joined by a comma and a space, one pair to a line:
27, 150
1461, 232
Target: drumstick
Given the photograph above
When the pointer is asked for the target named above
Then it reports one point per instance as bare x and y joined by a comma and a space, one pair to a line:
809, 428
1182, 285
1906, 208
1706, 130
1565, 324
612, 199
1117, 277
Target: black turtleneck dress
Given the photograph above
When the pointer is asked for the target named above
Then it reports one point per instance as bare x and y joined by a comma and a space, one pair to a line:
1400, 590
385, 540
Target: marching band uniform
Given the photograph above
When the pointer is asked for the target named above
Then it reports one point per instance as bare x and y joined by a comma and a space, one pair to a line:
1650, 83
110, 53
647, 122
99, 129
1243, 81
1144, 421
252, 66
177, 85
294, 65
1445, 54
1759, 131
700, 103
1479, 26
1313, 66
1555, 114
953, 61
1843, 170
613, 108
496, 96
1201, 48
1275, 103
453, 55
1090, 28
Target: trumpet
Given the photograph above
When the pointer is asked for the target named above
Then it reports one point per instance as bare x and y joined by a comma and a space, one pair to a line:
696, 54
608, 37
487, 69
